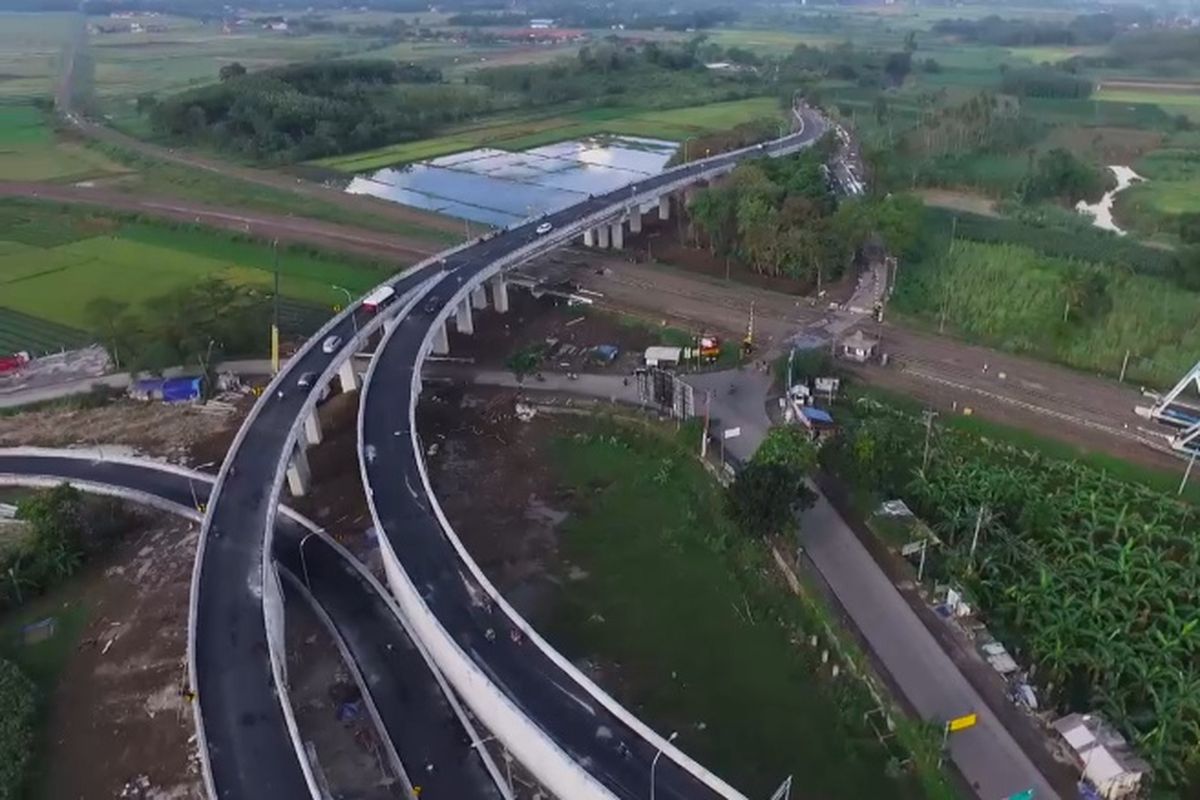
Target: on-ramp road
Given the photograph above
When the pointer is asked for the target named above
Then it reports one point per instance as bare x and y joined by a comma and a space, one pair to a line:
417, 718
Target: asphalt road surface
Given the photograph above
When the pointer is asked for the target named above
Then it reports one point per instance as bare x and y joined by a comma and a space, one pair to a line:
422, 726
597, 739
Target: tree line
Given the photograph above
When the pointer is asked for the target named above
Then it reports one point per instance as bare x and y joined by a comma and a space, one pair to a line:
197, 325
780, 218
308, 110
1084, 29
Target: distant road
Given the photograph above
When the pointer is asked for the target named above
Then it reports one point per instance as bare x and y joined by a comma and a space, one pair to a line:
404, 249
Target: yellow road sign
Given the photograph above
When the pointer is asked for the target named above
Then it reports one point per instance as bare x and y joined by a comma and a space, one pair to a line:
962, 723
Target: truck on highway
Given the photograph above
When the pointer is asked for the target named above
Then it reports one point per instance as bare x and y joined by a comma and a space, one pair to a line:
378, 299
13, 362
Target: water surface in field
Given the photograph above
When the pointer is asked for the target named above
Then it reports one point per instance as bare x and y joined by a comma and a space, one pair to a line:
1102, 211
498, 187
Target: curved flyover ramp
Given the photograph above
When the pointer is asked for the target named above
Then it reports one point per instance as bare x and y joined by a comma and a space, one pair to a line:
249, 744
420, 720
575, 738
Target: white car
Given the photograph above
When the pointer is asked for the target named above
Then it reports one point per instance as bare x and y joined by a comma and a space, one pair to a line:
331, 344
543, 229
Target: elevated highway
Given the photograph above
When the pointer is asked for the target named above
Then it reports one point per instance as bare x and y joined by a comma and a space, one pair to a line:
579, 741
529, 697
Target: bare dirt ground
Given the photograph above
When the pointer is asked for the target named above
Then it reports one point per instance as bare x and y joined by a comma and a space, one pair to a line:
574, 330
149, 428
119, 725
507, 522
959, 201
1053, 401
331, 715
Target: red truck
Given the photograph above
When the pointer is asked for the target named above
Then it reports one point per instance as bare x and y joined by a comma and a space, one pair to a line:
12, 363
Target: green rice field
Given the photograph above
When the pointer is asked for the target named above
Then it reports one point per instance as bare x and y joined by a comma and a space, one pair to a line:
46, 282
29, 150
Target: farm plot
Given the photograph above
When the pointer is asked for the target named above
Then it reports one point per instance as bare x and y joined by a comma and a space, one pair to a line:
1081, 314
1092, 579
521, 134
37, 336
45, 290
30, 151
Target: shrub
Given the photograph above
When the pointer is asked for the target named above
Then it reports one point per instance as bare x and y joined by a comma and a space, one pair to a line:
16, 728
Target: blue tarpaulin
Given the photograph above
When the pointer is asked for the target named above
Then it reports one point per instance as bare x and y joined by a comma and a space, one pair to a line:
817, 415
180, 390
605, 352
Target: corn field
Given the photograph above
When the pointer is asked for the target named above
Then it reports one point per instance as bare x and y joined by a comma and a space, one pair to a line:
1092, 581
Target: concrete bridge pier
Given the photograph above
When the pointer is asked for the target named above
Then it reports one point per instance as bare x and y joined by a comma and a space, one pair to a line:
635, 220
618, 235
441, 342
664, 207
602, 237
298, 473
347, 376
589, 238
479, 297
463, 320
312, 428
500, 294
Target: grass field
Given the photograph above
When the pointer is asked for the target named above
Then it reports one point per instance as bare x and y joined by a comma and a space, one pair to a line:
667, 589
62, 261
1053, 55
1013, 297
30, 48
521, 134
1172, 102
30, 151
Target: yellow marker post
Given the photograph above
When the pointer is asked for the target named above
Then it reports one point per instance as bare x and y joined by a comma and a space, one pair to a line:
953, 726
962, 723
274, 349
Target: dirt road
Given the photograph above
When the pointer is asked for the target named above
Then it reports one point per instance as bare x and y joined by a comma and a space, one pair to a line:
402, 249
1084, 410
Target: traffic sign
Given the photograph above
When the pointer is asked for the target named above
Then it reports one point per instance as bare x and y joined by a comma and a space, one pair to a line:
732, 433
962, 723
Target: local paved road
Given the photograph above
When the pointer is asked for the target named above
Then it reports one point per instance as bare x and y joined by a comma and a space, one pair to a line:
987, 755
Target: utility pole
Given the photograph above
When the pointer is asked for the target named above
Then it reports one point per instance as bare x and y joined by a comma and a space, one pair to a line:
275, 311
1124, 366
928, 414
704, 435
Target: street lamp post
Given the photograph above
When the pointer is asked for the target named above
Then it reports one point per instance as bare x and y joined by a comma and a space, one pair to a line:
303, 561
654, 762
349, 303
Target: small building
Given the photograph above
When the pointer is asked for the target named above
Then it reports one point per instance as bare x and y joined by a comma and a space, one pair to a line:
858, 347
1102, 755
541, 24
658, 356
